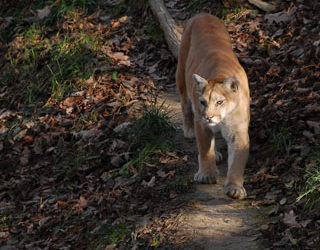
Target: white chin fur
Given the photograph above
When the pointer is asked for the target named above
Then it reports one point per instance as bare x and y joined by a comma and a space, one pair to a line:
213, 124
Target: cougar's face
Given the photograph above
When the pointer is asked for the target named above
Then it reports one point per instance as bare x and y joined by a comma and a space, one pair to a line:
217, 97
215, 104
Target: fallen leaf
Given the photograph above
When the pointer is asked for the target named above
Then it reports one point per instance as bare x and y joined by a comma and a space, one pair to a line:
315, 126
20, 135
307, 134
290, 219
162, 174
164, 159
283, 201
151, 183
173, 194
171, 174
42, 13
120, 57
283, 16
185, 158
24, 159
43, 221
116, 160
4, 235
305, 223
122, 127
82, 202
62, 203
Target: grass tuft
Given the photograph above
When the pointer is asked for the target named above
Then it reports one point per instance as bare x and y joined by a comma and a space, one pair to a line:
154, 124
150, 135
110, 235
311, 192
62, 8
281, 140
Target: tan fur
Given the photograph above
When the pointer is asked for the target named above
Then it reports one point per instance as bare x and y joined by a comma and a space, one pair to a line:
209, 72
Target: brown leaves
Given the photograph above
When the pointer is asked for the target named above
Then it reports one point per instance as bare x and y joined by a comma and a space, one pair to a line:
283, 16
282, 63
120, 58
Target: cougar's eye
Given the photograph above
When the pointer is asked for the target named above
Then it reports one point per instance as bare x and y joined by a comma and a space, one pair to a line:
219, 102
203, 103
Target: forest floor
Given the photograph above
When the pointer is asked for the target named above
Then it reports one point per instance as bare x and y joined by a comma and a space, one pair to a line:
92, 158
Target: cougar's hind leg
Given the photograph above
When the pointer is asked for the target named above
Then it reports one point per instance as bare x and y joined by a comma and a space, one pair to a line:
186, 105
188, 124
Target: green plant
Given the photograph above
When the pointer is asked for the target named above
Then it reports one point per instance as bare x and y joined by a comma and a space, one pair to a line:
90, 118
194, 6
109, 234
235, 13
155, 241
152, 29
144, 156
311, 190
115, 76
58, 90
179, 183
281, 140
151, 133
59, 9
118, 9
154, 124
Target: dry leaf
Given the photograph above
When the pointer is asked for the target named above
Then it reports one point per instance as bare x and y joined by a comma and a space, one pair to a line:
24, 159
283, 201
290, 219
171, 174
283, 16
43, 221
42, 13
151, 183
173, 194
82, 202
162, 174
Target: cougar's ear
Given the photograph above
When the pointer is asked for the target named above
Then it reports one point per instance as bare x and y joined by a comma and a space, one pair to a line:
200, 82
232, 83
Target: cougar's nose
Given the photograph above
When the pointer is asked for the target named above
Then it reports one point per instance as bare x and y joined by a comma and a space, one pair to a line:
209, 117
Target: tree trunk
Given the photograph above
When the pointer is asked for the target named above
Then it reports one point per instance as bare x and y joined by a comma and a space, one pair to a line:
263, 5
172, 31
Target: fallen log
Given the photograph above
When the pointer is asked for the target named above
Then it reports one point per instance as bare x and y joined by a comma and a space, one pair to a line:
262, 5
172, 31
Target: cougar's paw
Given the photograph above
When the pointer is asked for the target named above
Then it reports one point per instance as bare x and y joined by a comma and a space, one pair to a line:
188, 132
205, 178
219, 156
235, 192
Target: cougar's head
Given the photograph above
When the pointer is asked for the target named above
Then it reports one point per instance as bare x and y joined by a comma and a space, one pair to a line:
216, 98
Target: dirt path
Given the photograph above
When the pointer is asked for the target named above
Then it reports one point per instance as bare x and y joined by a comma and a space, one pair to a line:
215, 221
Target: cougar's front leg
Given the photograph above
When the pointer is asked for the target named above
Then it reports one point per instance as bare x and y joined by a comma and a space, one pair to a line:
238, 152
207, 172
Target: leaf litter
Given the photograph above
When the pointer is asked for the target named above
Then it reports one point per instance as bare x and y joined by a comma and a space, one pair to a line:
70, 177
64, 178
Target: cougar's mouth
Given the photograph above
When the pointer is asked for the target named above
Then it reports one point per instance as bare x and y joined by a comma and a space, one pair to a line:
211, 122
